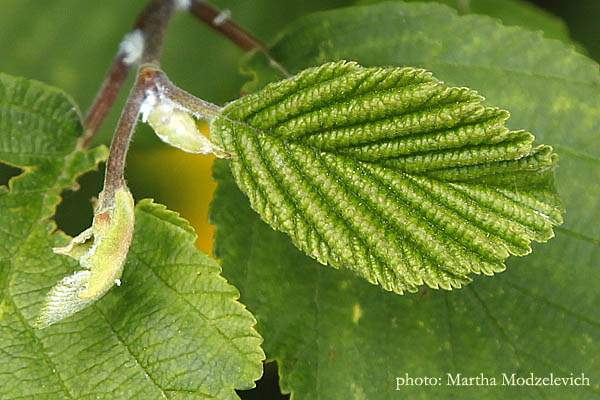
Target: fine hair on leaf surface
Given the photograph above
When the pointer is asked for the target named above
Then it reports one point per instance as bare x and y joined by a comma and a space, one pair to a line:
390, 173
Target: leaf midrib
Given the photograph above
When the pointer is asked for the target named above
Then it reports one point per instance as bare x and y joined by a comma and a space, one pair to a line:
133, 356
200, 313
286, 141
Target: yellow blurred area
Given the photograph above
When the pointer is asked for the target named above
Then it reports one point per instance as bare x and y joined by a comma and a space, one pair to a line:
181, 181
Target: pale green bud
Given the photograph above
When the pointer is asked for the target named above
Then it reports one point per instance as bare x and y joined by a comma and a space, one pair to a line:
101, 250
178, 128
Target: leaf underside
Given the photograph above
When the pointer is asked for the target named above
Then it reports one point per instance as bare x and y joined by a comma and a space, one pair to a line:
390, 173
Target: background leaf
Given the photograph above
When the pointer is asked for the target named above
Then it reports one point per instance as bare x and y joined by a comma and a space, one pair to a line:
540, 316
580, 17
510, 12
172, 330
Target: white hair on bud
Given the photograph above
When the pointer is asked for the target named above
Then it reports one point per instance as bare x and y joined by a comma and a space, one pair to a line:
62, 301
183, 4
148, 105
165, 108
132, 47
221, 17
175, 125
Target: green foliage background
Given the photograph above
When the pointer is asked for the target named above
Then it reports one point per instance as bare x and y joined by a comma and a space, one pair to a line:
69, 44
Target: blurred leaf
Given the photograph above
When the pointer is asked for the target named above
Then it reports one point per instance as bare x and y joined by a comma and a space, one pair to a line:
510, 12
582, 18
67, 43
173, 330
328, 327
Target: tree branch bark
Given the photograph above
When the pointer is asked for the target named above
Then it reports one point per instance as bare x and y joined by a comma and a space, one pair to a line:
153, 24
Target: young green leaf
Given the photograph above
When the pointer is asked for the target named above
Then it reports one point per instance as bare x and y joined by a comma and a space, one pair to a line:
391, 173
174, 329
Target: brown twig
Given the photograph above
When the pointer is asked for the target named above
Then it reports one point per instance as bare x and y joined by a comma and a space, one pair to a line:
105, 98
220, 22
115, 165
202, 108
146, 22
151, 26
154, 21
120, 68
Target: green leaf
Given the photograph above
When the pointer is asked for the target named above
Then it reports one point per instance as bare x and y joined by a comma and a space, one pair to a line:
540, 316
390, 173
173, 329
